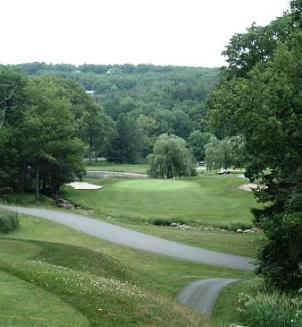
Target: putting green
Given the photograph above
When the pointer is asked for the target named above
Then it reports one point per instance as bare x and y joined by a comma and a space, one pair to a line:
205, 199
154, 185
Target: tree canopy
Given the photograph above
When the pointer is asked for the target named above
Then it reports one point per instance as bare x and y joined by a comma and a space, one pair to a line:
171, 158
259, 98
223, 153
44, 124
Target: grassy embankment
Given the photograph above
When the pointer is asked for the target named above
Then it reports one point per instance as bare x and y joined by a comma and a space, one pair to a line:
24, 304
106, 284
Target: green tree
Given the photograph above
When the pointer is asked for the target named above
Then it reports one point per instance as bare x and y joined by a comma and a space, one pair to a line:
265, 108
39, 148
147, 125
50, 148
12, 96
93, 129
197, 141
171, 158
256, 46
127, 142
223, 153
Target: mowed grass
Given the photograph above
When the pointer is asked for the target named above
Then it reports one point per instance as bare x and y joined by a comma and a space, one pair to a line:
108, 284
243, 244
128, 168
97, 293
164, 274
23, 305
214, 200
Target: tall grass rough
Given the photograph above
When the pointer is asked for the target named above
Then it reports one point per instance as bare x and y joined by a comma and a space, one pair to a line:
271, 310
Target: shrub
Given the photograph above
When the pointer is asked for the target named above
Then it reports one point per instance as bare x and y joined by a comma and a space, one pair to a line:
9, 221
279, 261
271, 310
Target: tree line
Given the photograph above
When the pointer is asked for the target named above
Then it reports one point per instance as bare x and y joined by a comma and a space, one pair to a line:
140, 103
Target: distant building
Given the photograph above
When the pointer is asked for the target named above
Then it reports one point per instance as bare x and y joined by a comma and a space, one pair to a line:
90, 92
113, 71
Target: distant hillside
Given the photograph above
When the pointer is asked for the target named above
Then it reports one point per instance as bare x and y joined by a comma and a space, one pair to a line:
174, 97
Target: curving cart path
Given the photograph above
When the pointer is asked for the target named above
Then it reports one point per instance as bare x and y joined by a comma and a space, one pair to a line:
202, 294
138, 240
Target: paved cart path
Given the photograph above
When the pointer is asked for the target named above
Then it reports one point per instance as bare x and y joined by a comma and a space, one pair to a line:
138, 240
201, 295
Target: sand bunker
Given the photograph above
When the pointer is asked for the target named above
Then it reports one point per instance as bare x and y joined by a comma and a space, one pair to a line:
84, 186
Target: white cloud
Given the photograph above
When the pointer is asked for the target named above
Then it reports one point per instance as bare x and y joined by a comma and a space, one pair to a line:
178, 32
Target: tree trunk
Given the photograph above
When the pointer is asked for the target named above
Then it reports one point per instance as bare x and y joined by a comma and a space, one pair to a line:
90, 149
37, 182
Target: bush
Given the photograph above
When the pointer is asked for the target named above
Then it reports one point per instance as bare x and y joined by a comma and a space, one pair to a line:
279, 260
271, 310
9, 221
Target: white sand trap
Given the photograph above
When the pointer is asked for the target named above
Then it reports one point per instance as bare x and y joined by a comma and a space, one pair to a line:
84, 186
250, 187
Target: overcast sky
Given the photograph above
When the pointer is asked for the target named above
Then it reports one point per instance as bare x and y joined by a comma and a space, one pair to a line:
175, 32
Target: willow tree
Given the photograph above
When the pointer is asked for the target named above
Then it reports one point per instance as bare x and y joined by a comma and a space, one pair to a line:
171, 158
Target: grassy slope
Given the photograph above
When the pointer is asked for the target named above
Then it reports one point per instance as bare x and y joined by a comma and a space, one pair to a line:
157, 276
167, 275
202, 200
225, 311
24, 305
99, 287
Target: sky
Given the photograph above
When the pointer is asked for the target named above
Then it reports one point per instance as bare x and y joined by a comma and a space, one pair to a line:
161, 32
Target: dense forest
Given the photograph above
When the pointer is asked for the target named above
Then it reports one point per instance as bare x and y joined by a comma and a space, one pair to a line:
143, 102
